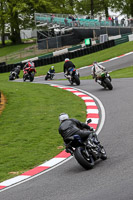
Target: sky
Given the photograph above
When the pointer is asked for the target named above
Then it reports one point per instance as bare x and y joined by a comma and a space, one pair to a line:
112, 13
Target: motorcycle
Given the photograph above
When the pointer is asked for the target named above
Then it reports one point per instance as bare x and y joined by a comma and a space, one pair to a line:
73, 76
104, 80
49, 76
13, 75
29, 73
85, 152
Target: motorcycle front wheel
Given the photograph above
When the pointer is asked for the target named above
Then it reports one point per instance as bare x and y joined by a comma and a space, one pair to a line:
11, 77
46, 78
103, 153
24, 77
87, 162
31, 77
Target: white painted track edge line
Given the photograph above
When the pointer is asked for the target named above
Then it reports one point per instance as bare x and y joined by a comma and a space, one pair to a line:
43, 172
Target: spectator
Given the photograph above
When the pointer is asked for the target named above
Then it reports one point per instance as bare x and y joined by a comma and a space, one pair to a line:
100, 18
122, 22
112, 21
65, 20
69, 17
52, 17
131, 22
116, 21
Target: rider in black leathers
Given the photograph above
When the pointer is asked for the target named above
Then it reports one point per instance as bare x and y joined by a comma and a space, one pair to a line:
68, 64
17, 70
70, 127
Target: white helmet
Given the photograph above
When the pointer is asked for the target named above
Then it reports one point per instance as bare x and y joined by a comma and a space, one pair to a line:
63, 116
67, 59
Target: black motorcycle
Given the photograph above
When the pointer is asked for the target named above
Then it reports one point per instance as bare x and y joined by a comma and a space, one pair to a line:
85, 152
104, 80
49, 76
73, 76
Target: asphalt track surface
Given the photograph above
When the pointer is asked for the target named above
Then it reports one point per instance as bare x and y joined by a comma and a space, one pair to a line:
108, 180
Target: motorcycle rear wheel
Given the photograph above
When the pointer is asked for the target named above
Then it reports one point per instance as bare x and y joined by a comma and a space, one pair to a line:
77, 80
82, 159
108, 84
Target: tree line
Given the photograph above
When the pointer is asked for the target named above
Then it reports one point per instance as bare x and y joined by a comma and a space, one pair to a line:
16, 15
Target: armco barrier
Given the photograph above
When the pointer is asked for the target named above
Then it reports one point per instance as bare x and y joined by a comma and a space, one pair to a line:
55, 59
121, 40
2, 64
74, 48
46, 56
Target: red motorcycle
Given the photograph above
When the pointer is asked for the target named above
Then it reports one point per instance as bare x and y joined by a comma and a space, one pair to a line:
29, 73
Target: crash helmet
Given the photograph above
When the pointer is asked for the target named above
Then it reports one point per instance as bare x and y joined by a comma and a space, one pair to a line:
19, 67
52, 67
30, 63
63, 116
66, 59
95, 63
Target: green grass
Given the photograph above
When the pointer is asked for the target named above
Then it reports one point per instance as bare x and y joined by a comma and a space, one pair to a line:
12, 49
123, 73
29, 123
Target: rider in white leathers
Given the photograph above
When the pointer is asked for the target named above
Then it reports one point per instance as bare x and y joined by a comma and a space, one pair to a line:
96, 70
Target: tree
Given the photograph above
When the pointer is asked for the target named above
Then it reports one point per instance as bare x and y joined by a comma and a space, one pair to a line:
2, 20
122, 6
20, 15
92, 7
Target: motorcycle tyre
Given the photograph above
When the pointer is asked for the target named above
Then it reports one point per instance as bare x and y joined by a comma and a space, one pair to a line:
108, 84
24, 78
11, 78
103, 154
82, 160
46, 78
77, 80
31, 77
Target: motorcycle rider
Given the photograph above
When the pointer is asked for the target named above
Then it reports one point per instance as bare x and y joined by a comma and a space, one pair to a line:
28, 65
97, 69
67, 65
51, 73
52, 70
69, 127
